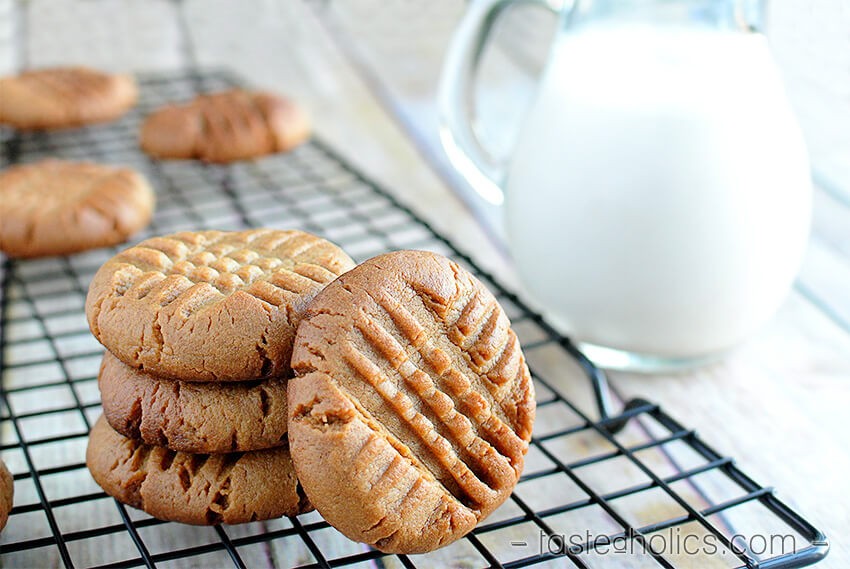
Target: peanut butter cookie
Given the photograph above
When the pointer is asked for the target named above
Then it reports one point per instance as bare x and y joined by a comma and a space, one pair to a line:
54, 207
211, 305
193, 417
62, 97
224, 127
412, 406
7, 492
199, 489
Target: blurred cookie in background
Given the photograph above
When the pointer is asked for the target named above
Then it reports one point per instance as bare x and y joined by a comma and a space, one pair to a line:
56, 207
225, 127
64, 97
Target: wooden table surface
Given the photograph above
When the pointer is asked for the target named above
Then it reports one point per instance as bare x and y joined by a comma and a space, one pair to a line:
779, 403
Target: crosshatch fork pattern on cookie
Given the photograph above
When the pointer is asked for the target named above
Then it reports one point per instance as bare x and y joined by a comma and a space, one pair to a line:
161, 304
580, 484
232, 261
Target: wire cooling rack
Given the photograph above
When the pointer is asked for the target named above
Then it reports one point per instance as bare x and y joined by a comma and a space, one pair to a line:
635, 489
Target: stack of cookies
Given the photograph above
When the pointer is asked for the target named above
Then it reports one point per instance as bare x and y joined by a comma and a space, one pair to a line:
199, 329
404, 422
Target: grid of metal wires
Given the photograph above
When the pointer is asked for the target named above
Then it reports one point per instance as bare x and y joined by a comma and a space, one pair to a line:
622, 490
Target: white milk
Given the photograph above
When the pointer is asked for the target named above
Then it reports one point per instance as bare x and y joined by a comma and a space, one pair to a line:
658, 199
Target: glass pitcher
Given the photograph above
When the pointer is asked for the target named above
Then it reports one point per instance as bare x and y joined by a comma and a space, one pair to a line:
658, 197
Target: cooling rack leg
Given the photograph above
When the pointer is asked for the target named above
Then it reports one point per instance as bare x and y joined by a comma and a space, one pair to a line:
609, 419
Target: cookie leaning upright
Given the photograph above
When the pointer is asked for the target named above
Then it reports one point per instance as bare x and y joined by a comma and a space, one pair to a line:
210, 305
55, 207
62, 97
226, 126
412, 406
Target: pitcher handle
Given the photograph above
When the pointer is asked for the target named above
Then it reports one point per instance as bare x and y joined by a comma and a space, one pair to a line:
482, 170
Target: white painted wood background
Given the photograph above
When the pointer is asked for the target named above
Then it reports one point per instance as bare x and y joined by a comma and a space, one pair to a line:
367, 69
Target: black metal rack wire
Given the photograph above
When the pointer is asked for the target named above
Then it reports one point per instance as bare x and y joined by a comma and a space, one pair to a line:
596, 490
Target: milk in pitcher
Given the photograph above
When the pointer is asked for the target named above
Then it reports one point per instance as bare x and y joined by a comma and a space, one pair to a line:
658, 198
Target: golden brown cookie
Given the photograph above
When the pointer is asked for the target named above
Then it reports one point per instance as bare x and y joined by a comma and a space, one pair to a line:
412, 406
211, 305
193, 417
7, 493
200, 489
54, 207
224, 127
63, 97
